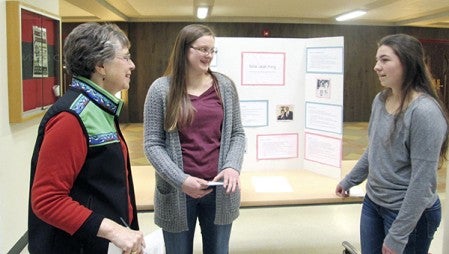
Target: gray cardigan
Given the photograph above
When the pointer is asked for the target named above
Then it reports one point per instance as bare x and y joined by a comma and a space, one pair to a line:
401, 172
163, 150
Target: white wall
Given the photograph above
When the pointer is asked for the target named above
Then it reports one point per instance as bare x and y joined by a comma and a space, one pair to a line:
4, 128
16, 145
50, 6
445, 227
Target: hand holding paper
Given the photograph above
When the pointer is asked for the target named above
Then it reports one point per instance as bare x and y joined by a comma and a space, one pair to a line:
214, 183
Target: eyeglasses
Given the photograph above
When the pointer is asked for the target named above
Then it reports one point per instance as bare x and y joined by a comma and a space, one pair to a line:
205, 51
126, 57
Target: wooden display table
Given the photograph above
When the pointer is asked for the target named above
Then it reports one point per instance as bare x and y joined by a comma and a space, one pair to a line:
263, 188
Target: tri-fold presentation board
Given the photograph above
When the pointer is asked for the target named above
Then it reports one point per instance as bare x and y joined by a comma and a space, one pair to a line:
291, 98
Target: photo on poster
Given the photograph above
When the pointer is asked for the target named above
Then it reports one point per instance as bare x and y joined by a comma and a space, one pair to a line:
323, 88
284, 112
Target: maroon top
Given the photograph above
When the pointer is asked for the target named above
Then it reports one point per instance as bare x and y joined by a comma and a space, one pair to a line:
200, 142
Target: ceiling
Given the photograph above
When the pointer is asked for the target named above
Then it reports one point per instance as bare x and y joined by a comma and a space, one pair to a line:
422, 13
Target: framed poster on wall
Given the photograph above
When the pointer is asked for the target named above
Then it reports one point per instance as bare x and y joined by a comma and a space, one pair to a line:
34, 61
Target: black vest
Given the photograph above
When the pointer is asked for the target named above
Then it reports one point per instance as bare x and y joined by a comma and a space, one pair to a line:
100, 185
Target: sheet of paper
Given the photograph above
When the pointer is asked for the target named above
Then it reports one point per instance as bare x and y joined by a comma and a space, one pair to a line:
323, 149
212, 183
271, 184
277, 146
324, 117
356, 191
327, 60
254, 113
112, 249
155, 242
263, 68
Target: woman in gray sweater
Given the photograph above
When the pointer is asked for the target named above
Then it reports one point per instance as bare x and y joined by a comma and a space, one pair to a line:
193, 135
407, 132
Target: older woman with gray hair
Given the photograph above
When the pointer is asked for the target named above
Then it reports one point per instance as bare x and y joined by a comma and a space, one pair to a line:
81, 188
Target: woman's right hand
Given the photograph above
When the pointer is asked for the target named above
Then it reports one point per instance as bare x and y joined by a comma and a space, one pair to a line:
341, 192
130, 241
195, 187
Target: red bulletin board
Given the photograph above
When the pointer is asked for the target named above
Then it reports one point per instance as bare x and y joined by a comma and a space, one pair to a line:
34, 60
37, 89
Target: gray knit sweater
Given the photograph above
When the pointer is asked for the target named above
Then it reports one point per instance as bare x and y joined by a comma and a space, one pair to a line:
401, 171
163, 150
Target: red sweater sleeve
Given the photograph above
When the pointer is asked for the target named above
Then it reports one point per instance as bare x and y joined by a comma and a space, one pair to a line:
61, 157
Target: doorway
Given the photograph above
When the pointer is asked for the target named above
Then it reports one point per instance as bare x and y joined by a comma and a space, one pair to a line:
437, 56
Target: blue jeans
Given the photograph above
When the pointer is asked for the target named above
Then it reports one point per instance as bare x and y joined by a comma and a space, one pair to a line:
376, 221
215, 237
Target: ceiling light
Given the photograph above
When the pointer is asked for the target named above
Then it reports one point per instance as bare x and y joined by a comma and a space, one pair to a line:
201, 12
350, 15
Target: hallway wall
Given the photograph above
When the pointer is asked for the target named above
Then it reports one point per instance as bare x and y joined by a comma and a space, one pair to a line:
16, 146
152, 42
4, 126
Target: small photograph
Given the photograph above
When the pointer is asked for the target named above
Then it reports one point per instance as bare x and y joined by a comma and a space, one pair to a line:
284, 112
323, 88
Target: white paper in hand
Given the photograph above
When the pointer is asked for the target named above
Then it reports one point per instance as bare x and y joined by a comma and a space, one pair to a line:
356, 191
155, 242
212, 183
113, 249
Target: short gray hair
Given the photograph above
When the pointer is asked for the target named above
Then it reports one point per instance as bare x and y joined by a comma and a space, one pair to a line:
91, 44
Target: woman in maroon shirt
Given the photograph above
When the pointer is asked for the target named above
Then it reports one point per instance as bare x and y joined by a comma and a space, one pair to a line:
193, 134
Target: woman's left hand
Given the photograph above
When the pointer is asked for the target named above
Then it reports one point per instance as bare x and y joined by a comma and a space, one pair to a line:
231, 179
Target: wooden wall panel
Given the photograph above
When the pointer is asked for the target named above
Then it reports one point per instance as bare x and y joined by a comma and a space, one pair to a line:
152, 42
151, 47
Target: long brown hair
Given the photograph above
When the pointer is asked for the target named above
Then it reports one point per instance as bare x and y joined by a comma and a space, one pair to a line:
416, 75
179, 109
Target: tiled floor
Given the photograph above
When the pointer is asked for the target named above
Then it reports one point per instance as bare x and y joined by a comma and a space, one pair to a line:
292, 230
307, 229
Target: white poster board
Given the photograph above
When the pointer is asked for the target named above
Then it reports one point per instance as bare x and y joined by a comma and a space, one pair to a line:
283, 84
